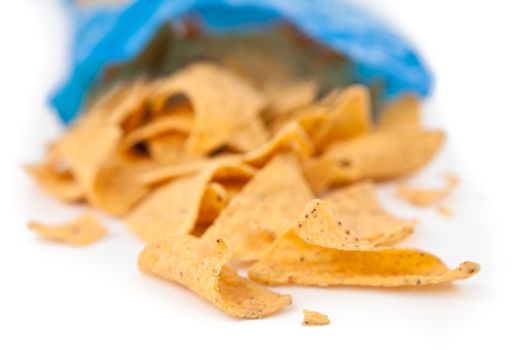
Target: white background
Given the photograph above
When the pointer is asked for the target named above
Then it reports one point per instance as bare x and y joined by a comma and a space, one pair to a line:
57, 297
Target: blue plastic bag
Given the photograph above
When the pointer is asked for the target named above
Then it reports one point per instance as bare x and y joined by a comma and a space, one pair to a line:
116, 34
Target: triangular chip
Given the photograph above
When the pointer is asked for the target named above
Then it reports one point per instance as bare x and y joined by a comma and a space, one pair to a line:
200, 266
349, 115
291, 138
359, 211
83, 231
223, 104
291, 260
265, 208
116, 188
377, 156
173, 209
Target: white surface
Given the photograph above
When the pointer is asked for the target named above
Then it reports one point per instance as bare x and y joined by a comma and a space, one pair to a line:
58, 297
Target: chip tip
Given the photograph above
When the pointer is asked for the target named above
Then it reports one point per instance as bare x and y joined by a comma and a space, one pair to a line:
469, 268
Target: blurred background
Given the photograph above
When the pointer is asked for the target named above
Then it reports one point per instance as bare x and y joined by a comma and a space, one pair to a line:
475, 50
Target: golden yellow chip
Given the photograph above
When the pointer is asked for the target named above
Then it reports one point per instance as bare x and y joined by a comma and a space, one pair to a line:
158, 127
214, 200
200, 266
359, 212
168, 148
95, 136
424, 197
265, 208
173, 171
291, 260
286, 97
116, 187
81, 232
349, 115
402, 113
173, 209
291, 138
250, 135
378, 156
224, 104
314, 318
59, 183
84, 153
445, 211
189, 167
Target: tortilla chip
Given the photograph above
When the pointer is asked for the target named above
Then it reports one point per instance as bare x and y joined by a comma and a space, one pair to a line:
116, 187
314, 318
61, 184
424, 197
173, 209
193, 166
286, 97
200, 266
223, 104
265, 208
213, 201
250, 135
290, 138
81, 232
376, 156
158, 127
349, 115
359, 212
168, 148
290, 260
404, 112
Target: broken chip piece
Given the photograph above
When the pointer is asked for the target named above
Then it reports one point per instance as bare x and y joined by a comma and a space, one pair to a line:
83, 231
314, 318
200, 266
426, 197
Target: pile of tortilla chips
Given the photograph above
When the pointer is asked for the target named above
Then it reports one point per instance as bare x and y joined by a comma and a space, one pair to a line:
206, 168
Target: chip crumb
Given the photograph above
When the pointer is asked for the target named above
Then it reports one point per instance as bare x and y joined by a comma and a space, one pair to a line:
314, 318
445, 211
425, 197
83, 231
